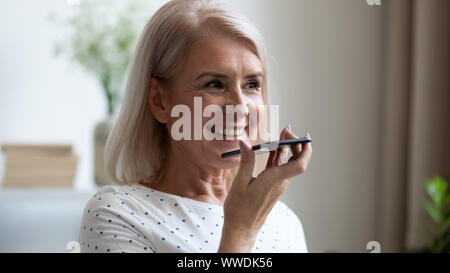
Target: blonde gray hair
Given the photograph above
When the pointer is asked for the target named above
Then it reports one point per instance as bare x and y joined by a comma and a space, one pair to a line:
137, 145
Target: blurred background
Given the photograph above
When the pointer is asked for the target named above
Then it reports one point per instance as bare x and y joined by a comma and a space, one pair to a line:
369, 80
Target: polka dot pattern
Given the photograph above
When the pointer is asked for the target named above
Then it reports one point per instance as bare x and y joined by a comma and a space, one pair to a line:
135, 218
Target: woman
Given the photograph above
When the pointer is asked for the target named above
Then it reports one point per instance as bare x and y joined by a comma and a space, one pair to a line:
180, 195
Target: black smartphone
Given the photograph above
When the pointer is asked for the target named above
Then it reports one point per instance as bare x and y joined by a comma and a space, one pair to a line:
270, 146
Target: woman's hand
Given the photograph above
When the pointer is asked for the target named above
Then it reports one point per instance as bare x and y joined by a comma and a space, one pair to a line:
250, 199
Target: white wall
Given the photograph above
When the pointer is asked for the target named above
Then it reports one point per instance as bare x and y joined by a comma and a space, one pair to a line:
43, 98
325, 75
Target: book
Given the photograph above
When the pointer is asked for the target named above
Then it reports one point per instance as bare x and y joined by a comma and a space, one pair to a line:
39, 165
37, 149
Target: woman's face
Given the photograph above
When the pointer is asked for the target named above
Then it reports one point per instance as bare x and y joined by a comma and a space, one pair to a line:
221, 71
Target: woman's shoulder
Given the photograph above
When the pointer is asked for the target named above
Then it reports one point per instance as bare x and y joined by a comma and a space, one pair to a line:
110, 193
291, 224
115, 218
282, 213
121, 197
116, 206
282, 209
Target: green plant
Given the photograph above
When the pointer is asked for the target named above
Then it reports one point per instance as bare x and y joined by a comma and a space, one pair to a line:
102, 42
438, 209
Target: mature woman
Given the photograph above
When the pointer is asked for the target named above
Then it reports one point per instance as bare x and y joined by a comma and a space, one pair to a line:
181, 195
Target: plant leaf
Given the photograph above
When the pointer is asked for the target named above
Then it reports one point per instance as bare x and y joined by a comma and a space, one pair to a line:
433, 211
446, 200
444, 227
442, 243
437, 189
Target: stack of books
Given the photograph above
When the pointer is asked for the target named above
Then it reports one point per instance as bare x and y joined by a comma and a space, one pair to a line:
39, 165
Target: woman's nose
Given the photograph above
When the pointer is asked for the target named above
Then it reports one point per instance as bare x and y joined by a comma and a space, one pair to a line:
238, 98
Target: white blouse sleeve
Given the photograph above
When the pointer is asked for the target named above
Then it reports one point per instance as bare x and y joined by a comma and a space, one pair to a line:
112, 224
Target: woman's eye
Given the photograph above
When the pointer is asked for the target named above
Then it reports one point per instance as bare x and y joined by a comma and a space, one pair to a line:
254, 85
214, 84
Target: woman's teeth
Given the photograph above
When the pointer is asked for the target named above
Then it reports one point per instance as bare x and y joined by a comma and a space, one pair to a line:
230, 132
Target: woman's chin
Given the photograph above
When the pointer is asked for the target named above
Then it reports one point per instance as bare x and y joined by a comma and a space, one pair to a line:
227, 162
226, 145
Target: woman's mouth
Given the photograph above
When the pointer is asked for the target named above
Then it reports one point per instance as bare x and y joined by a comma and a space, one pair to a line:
228, 134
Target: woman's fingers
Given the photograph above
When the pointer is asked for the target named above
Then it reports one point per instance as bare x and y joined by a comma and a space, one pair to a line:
275, 155
296, 148
282, 152
271, 159
247, 163
297, 164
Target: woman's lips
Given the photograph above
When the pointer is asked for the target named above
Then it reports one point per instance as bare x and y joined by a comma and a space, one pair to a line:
230, 132
235, 133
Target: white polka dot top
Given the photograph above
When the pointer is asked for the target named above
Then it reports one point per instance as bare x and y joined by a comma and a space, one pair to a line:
135, 218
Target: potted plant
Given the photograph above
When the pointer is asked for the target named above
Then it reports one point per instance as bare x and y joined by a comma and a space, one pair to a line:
102, 42
438, 208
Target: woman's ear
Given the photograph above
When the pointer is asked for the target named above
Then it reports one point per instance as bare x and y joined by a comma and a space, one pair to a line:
158, 101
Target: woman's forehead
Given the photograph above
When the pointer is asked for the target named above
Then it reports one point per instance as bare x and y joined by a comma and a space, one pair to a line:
222, 55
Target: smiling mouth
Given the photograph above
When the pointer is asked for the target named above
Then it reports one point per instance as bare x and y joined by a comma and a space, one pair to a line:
235, 132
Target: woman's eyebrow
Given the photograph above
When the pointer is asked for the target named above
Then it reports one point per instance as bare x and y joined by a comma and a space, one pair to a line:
219, 75
255, 75
209, 73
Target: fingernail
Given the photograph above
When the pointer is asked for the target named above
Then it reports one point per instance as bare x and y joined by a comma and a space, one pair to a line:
243, 145
289, 127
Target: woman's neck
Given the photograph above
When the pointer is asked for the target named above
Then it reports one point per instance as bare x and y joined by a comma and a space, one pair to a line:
186, 178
